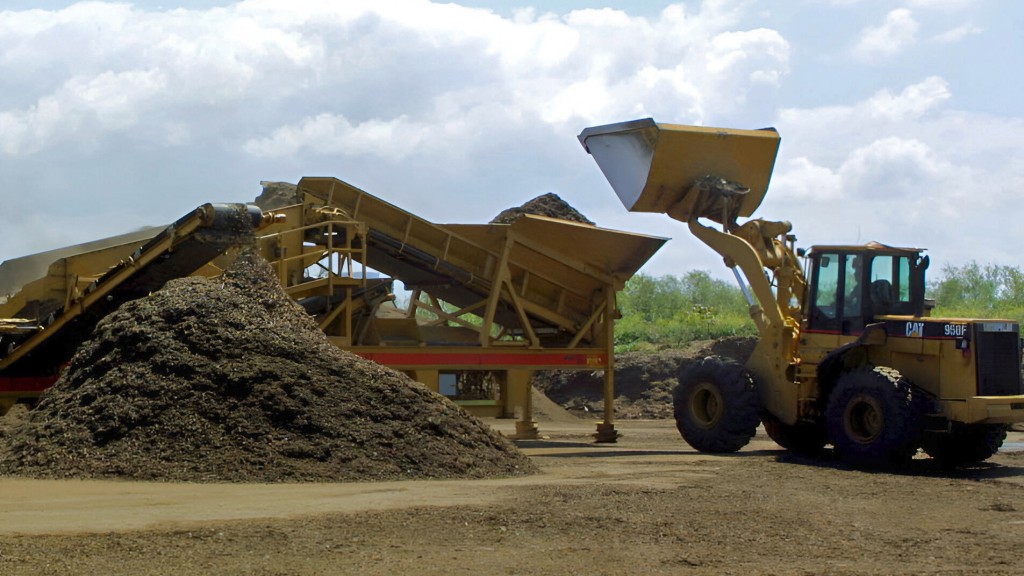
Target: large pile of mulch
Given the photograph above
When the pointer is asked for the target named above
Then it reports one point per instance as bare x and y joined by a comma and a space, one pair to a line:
550, 205
227, 379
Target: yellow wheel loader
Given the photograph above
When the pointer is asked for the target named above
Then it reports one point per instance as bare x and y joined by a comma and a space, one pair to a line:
848, 353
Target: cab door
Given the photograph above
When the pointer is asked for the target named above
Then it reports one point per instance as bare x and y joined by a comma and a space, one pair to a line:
838, 293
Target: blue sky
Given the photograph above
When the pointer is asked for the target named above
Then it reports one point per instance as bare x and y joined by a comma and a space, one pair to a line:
901, 121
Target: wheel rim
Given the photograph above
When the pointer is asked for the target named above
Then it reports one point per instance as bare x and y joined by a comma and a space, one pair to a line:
863, 419
706, 405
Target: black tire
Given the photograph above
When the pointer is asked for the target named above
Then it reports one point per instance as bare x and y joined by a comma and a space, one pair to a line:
802, 438
874, 418
716, 405
965, 444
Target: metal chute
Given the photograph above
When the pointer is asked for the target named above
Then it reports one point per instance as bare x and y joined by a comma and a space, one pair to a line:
684, 171
555, 265
88, 281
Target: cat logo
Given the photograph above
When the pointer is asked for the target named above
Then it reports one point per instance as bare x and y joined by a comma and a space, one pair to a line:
915, 329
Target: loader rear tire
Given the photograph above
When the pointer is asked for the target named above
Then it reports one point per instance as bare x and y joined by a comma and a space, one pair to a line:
874, 418
801, 438
966, 444
716, 405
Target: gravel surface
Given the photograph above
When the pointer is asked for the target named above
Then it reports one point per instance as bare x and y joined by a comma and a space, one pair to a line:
648, 505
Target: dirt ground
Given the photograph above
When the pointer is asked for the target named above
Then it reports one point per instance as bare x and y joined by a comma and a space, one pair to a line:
647, 505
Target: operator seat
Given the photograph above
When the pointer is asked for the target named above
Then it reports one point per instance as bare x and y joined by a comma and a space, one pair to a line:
881, 296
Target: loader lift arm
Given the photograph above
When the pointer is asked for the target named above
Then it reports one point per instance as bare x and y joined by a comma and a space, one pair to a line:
693, 173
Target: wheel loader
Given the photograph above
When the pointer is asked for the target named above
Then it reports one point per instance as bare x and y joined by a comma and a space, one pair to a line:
849, 354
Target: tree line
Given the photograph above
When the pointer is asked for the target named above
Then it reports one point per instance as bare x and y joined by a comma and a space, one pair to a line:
667, 311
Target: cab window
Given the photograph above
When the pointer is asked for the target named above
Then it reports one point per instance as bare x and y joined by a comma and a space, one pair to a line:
853, 303
838, 299
890, 284
825, 297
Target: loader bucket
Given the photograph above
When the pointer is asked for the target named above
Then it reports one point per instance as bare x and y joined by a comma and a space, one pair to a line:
656, 167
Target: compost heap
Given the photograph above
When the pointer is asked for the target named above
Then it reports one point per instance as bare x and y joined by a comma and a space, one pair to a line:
277, 195
227, 379
550, 205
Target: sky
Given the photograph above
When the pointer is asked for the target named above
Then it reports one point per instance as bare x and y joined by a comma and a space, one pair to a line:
901, 120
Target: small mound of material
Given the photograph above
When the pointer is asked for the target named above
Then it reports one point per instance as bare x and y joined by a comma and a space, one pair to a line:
278, 195
644, 381
549, 205
227, 379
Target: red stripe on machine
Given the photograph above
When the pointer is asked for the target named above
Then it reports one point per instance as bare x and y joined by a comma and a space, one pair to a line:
442, 359
26, 383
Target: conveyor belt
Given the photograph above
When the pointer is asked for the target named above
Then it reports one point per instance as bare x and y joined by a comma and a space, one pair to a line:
178, 251
554, 267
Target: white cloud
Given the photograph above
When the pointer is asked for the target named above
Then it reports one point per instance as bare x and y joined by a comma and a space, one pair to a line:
330, 134
802, 180
867, 146
894, 168
948, 5
590, 66
900, 168
107, 103
456, 113
828, 130
587, 98
886, 170
894, 190
913, 101
958, 33
750, 50
361, 67
897, 32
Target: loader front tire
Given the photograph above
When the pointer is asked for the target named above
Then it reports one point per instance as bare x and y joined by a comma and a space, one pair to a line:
966, 444
716, 405
874, 419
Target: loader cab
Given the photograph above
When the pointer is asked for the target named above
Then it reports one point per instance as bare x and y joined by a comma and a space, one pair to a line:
852, 285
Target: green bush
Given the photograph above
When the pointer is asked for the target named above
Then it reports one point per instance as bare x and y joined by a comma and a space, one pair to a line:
667, 311
979, 291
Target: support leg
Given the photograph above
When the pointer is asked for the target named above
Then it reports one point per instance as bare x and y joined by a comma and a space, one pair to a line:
606, 431
518, 384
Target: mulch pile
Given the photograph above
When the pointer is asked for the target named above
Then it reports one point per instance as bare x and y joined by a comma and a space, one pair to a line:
550, 205
228, 380
277, 195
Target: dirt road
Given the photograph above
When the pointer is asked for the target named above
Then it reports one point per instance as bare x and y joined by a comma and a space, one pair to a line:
647, 505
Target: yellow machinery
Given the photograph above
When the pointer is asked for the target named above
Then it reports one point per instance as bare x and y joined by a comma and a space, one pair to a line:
848, 354
52, 300
490, 303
